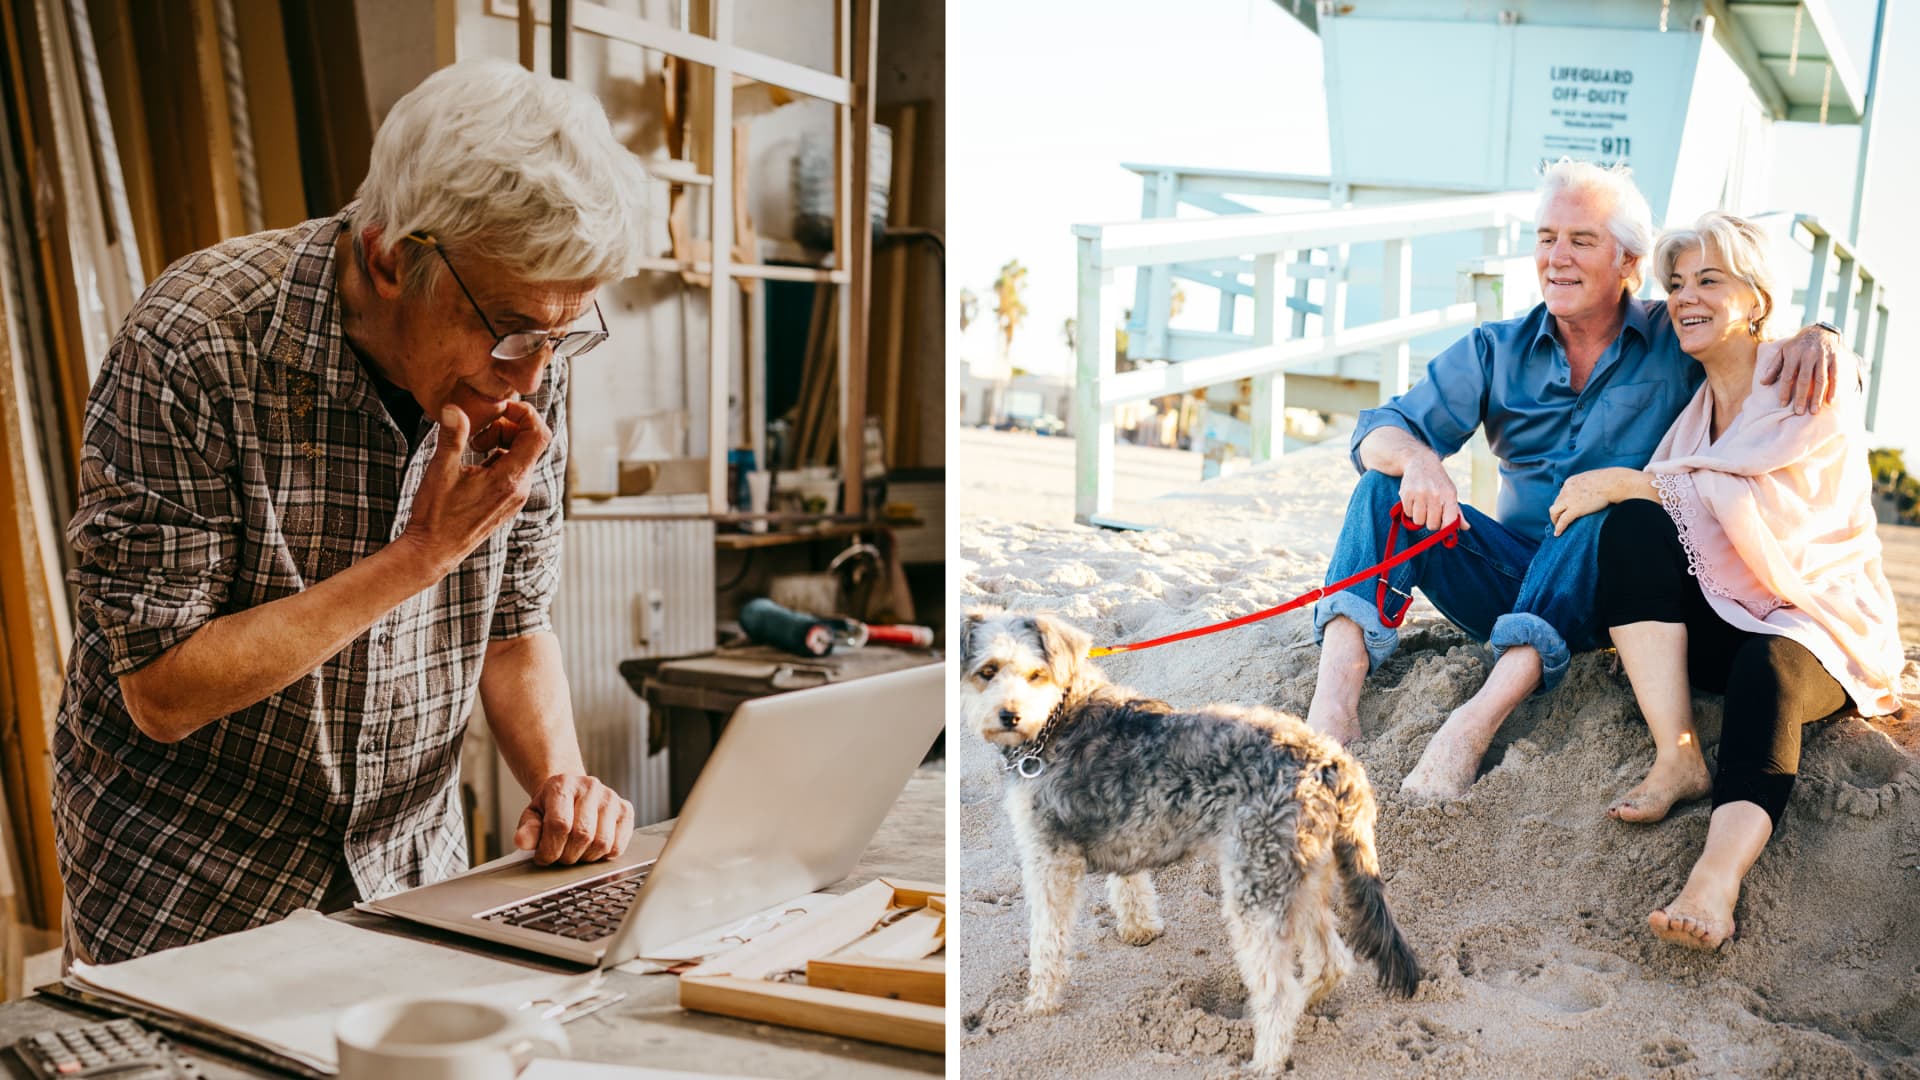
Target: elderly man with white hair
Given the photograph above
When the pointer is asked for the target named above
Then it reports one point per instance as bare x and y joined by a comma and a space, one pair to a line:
320, 512
1590, 378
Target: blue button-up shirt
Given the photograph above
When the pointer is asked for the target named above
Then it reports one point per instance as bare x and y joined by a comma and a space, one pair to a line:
1513, 377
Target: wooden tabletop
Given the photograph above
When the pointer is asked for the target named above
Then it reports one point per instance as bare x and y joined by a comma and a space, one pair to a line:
649, 1028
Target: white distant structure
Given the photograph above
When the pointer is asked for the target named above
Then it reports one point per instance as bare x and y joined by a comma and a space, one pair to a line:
1439, 117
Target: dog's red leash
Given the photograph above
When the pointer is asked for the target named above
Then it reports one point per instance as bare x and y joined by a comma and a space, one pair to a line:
1446, 536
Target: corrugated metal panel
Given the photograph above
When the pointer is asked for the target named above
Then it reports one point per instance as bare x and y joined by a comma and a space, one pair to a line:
630, 589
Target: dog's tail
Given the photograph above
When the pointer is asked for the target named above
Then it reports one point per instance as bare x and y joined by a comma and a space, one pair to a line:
1374, 934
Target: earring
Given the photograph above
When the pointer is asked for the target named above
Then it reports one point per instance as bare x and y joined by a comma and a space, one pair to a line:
1753, 327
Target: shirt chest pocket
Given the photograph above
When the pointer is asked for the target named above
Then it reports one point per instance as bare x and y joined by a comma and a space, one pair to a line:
1633, 419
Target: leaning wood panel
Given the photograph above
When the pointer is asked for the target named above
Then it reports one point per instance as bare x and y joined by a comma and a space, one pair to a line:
53, 248
114, 43
922, 981
270, 108
36, 629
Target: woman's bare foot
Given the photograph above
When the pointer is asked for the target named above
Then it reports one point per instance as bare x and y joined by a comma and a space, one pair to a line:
1674, 778
1701, 917
1450, 762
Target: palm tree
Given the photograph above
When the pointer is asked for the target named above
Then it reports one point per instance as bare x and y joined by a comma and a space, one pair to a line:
969, 308
1009, 305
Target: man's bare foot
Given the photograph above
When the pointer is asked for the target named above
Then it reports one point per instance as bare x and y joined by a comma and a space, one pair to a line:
1447, 767
1341, 726
1673, 779
1701, 917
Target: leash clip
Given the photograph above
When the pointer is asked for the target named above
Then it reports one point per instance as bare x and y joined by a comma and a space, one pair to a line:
1449, 536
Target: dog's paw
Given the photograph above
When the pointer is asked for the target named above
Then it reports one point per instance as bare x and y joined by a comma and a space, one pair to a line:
1040, 1004
1140, 933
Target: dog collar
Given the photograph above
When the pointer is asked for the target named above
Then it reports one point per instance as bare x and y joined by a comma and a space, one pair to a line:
1026, 759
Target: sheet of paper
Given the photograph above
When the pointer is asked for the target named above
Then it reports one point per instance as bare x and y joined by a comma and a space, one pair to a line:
725, 938
551, 1069
281, 985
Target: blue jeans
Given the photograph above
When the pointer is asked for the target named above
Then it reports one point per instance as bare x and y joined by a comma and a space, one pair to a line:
1500, 587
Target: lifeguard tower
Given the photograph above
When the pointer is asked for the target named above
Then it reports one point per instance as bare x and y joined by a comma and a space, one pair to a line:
1439, 117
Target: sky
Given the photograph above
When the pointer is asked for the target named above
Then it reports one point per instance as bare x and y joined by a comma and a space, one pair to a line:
1047, 98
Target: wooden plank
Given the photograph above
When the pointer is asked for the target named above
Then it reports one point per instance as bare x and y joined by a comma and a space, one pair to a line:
524, 26
890, 316
853, 368
53, 239
721, 298
856, 1016
923, 981
33, 611
115, 44
270, 109
191, 139
330, 95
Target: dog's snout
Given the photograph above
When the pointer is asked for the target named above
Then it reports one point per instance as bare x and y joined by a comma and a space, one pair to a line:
1009, 719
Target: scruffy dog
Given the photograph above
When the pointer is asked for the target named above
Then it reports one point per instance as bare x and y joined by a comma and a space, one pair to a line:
1101, 779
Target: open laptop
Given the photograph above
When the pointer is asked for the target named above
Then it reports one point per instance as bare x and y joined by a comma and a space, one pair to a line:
789, 799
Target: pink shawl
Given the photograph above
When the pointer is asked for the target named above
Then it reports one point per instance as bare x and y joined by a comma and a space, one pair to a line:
1777, 520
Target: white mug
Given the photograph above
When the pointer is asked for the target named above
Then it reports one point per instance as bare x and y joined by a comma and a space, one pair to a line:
441, 1039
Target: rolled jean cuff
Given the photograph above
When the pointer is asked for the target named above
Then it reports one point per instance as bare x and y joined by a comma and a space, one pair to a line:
1522, 628
1381, 640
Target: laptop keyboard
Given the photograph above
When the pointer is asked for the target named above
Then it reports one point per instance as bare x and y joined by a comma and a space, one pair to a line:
588, 911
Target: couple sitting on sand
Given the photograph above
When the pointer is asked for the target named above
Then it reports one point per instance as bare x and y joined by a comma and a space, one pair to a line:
1674, 481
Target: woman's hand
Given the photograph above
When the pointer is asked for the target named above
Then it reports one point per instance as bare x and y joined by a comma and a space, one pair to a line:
1587, 492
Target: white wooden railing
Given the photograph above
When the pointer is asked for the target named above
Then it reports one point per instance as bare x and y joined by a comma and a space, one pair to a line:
1215, 250
1857, 303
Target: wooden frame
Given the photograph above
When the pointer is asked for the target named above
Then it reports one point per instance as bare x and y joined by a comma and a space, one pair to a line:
891, 1000
849, 89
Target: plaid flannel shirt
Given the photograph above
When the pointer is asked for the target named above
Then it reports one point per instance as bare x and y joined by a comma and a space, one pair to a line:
235, 450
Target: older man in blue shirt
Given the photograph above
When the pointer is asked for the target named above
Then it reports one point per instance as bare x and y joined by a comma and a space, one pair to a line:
1590, 378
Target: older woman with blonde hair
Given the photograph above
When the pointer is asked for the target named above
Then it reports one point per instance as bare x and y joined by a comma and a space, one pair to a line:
1743, 559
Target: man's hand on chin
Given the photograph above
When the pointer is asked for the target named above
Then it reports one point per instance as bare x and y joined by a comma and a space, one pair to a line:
574, 819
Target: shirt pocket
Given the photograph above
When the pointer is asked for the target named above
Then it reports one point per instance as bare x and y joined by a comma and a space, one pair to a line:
1633, 419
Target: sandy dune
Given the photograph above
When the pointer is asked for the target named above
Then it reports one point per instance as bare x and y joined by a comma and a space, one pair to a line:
1525, 902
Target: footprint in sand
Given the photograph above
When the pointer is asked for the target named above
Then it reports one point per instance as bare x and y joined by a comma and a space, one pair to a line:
1557, 981
1418, 1038
1858, 771
1666, 1053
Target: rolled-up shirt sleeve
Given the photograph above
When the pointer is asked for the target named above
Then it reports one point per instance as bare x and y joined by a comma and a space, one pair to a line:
532, 571
1443, 409
157, 531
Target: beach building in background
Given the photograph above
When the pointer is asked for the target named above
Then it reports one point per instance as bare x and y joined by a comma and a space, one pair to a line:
1331, 291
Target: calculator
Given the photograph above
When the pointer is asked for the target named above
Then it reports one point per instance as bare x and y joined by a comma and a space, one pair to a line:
120, 1049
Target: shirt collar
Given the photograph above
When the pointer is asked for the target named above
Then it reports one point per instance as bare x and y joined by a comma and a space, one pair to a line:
1634, 318
305, 333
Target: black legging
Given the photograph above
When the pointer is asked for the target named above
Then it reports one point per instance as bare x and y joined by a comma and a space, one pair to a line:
1772, 684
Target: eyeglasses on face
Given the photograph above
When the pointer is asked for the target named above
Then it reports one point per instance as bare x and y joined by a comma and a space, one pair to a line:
521, 343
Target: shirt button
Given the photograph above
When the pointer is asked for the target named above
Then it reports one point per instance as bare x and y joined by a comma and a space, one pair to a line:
370, 746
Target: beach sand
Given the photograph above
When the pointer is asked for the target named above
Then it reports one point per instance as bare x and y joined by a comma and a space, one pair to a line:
1526, 904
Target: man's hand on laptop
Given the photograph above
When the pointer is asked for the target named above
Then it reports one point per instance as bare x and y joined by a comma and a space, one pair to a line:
574, 819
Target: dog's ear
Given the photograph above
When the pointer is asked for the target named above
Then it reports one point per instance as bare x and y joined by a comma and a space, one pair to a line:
969, 627
1062, 645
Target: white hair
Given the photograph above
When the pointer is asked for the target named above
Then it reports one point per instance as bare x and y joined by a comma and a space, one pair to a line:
1743, 250
1630, 223
496, 161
